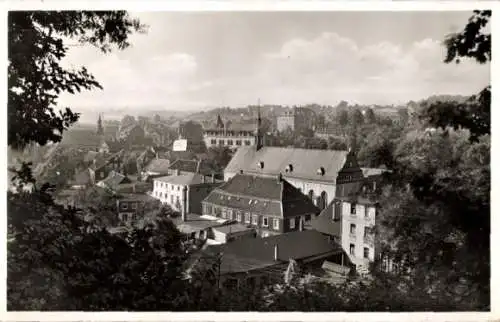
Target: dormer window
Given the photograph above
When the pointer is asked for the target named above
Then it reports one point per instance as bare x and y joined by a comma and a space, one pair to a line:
321, 171
261, 164
289, 168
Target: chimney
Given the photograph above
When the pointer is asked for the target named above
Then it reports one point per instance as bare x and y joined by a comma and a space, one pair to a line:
184, 204
276, 253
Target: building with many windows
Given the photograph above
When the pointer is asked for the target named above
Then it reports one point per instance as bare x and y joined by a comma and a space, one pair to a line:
350, 221
229, 135
183, 190
269, 204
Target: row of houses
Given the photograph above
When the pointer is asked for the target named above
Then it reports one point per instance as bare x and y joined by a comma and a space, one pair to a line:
274, 204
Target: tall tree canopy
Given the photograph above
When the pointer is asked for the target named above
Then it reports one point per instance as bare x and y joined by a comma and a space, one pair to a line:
473, 42
35, 76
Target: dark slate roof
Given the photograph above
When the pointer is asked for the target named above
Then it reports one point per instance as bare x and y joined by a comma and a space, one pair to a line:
194, 166
255, 253
158, 166
244, 203
102, 163
305, 162
114, 179
187, 179
266, 195
325, 224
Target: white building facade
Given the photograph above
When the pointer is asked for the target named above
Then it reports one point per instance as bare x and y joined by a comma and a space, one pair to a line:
230, 139
357, 236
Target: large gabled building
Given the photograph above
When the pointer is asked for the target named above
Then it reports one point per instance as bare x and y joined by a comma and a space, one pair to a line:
319, 174
269, 204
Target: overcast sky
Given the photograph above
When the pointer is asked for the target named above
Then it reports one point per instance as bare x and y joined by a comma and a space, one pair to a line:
195, 60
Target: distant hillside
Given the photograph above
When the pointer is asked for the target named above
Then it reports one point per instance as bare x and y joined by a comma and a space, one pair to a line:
444, 98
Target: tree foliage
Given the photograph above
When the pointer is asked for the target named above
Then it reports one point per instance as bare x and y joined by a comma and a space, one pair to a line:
473, 42
35, 75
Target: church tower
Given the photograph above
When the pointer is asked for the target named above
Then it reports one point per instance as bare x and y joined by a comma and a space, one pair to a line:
259, 142
100, 128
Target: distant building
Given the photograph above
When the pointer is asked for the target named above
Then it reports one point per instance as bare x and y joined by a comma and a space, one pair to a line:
270, 205
130, 208
227, 135
296, 119
156, 167
253, 261
100, 169
327, 132
132, 135
182, 166
190, 137
183, 192
113, 181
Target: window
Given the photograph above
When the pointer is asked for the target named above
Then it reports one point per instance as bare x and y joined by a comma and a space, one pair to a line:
353, 229
276, 224
208, 209
172, 199
221, 142
134, 205
353, 209
265, 222
238, 216
161, 194
366, 252
367, 231
238, 142
217, 211
308, 217
178, 188
367, 215
292, 223
213, 141
229, 214
247, 218
255, 219
351, 249
224, 214
124, 206
229, 142
247, 142
125, 217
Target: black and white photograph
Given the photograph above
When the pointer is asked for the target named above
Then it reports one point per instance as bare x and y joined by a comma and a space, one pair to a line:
248, 160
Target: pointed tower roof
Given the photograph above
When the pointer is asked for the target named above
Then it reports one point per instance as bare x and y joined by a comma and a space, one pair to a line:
220, 124
100, 128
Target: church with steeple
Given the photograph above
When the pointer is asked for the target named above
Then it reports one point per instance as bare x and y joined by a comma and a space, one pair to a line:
103, 146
